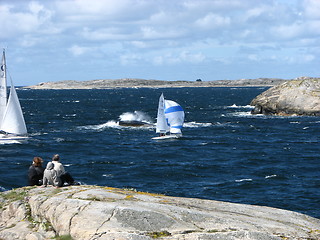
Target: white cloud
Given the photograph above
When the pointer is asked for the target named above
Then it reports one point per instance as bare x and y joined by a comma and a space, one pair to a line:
192, 57
149, 34
77, 50
312, 9
33, 19
129, 59
212, 20
178, 58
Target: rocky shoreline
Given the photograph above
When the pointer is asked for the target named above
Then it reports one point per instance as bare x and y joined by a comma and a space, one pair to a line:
300, 97
96, 213
143, 83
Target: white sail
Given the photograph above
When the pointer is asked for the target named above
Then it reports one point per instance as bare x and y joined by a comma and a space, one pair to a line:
12, 120
3, 87
175, 116
170, 118
162, 125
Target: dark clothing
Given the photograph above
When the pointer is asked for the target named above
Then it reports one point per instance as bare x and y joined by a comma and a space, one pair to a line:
35, 175
66, 178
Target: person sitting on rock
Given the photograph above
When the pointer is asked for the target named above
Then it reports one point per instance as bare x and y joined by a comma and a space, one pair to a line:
35, 172
64, 176
50, 176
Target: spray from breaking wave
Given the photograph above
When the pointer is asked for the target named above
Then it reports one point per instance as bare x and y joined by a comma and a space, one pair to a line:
135, 116
127, 116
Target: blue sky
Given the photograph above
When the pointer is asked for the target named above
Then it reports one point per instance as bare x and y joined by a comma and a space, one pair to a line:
54, 40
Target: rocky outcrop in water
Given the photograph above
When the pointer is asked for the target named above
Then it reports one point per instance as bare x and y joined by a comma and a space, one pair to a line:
142, 83
92, 212
296, 97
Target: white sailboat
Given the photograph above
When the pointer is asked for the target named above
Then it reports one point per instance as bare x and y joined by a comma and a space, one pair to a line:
170, 119
12, 124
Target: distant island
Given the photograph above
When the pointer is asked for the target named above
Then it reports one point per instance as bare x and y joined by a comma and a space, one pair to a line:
144, 83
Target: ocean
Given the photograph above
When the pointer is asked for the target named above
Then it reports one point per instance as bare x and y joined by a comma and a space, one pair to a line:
225, 154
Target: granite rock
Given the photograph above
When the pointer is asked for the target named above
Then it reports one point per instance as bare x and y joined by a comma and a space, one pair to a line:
93, 212
296, 97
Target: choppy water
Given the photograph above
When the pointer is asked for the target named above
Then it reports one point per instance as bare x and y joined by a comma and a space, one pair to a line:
226, 153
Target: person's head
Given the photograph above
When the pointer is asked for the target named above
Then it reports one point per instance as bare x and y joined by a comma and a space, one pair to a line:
49, 166
37, 161
56, 157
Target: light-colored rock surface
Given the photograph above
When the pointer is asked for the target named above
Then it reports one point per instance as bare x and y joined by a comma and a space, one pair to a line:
142, 83
91, 212
296, 97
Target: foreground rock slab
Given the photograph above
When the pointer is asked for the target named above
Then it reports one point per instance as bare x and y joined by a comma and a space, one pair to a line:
92, 212
295, 97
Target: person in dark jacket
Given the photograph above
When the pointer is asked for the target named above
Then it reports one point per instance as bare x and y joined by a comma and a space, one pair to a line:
35, 172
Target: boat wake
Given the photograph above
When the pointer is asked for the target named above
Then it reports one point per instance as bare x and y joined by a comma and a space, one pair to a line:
2, 141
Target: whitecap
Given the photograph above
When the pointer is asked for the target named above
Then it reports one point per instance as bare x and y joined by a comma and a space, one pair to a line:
2, 142
59, 139
243, 114
236, 106
270, 176
113, 124
135, 116
109, 124
107, 175
244, 180
196, 124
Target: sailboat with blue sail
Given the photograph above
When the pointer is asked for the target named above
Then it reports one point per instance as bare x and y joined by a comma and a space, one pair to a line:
170, 119
12, 124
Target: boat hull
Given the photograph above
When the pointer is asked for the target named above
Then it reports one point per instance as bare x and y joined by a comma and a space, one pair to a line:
133, 123
4, 137
171, 136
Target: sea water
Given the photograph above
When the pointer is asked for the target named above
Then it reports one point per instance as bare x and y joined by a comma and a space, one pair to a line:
226, 153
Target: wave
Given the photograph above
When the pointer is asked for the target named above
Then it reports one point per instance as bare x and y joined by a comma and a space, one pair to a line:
244, 180
101, 127
252, 180
270, 176
236, 106
245, 114
136, 116
115, 124
2, 142
196, 125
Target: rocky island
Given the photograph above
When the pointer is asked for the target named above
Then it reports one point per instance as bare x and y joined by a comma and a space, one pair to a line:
93, 213
143, 83
296, 97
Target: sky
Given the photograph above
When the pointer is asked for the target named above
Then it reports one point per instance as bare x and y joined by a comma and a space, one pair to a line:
56, 40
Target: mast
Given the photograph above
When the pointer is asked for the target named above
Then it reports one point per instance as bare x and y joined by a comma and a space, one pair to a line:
3, 86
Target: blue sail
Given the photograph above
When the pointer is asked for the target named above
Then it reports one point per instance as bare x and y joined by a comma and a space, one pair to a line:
174, 115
